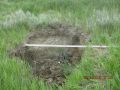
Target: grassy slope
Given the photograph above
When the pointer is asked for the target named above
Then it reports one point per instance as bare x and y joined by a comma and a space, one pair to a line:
15, 75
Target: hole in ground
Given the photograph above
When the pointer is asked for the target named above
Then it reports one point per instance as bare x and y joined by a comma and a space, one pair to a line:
52, 64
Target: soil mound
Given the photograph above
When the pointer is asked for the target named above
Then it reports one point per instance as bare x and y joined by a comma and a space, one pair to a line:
47, 62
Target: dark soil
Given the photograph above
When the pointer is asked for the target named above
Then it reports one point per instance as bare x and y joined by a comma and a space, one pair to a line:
47, 63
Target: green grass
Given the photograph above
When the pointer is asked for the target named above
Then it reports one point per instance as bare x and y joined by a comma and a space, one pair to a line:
100, 18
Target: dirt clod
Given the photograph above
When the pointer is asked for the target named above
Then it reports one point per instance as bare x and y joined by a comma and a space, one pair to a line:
46, 62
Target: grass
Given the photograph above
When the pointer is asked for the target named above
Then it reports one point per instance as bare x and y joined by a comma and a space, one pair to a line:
100, 18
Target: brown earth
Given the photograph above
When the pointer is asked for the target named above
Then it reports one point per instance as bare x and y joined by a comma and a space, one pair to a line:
47, 63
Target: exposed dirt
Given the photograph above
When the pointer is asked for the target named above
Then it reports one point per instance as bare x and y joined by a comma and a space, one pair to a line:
47, 63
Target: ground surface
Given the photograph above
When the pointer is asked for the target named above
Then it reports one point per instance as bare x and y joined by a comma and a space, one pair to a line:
99, 18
